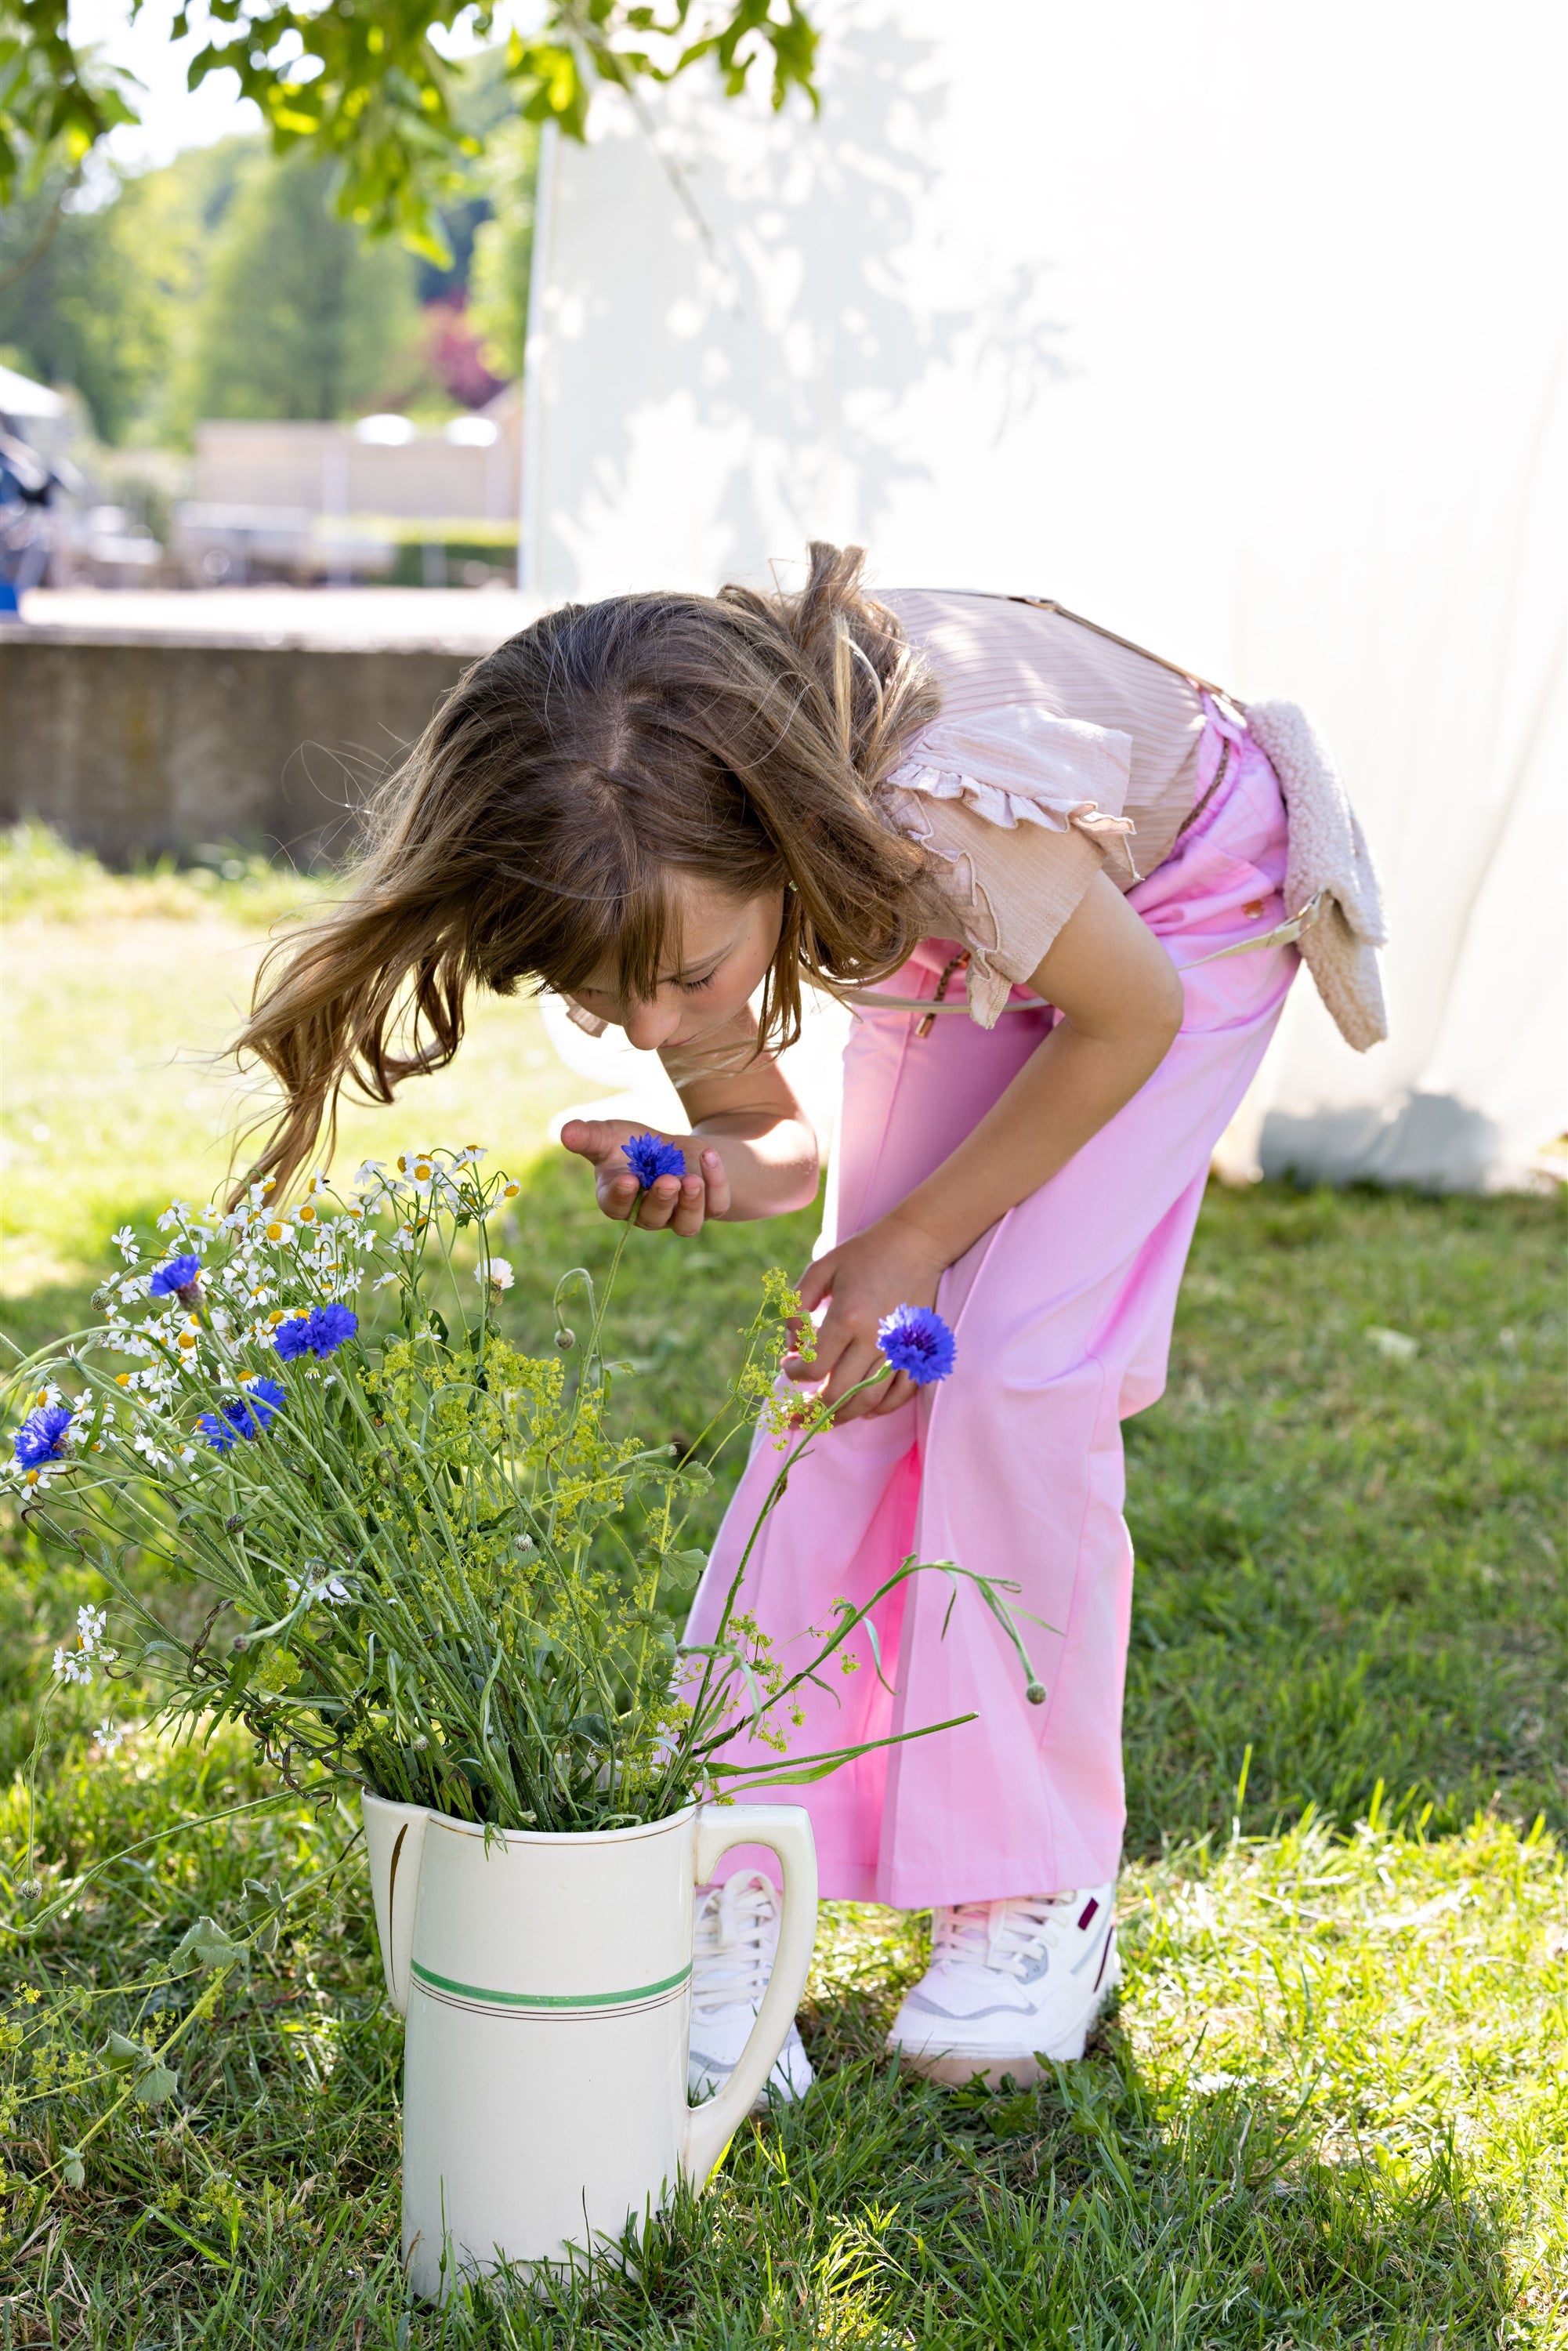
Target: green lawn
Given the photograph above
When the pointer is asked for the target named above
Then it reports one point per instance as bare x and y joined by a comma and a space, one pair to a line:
1333, 2106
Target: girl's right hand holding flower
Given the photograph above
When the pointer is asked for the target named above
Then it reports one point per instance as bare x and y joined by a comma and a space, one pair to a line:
672, 1203
889, 1269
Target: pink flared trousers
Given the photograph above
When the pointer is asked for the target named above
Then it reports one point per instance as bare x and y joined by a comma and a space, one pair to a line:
1013, 1467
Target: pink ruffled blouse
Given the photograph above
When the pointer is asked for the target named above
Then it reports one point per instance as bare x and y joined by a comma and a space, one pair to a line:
1059, 754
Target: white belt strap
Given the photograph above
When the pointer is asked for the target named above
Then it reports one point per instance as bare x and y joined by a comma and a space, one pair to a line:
1282, 935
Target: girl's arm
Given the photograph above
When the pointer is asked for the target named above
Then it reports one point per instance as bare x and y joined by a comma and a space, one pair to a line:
1121, 1004
757, 1150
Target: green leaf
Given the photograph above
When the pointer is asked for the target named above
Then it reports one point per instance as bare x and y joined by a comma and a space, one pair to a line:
72, 2170
683, 1569
364, 86
157, 2085
120, 2052
206, 1944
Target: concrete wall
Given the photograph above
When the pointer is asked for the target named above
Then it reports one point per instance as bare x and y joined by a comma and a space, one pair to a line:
136, 746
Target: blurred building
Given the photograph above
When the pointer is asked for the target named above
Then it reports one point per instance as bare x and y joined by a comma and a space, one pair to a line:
380, 499
465, 470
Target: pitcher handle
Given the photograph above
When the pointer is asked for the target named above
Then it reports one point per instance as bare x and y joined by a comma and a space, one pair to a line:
786, 1829
394, 1840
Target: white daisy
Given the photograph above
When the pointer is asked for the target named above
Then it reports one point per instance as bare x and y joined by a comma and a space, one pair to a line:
322, 1586
419, 1168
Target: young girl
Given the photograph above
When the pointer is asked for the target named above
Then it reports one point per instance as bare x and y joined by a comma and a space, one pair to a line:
1033, 856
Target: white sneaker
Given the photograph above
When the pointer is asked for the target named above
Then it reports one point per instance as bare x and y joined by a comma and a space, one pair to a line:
1010, 1984
736, 1943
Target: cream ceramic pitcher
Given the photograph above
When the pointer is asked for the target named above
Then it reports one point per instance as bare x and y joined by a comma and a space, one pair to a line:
547, 1985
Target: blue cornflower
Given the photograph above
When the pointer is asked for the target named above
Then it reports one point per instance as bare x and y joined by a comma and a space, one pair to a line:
248, 1415
293, 1338
330, 1325
648, 1159
42, 1437
177, 1276
320, 1332
916, 1340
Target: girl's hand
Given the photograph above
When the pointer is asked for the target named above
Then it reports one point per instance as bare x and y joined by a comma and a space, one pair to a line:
675, 1203
891, 1264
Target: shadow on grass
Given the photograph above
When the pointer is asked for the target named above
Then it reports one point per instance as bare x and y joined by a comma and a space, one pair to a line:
1096, 2212
1090, 2212
1345, 1566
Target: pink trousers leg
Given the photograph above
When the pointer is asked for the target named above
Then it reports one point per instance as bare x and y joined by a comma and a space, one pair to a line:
1013, 1467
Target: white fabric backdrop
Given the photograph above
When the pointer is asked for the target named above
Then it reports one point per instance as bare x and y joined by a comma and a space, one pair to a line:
1239, 327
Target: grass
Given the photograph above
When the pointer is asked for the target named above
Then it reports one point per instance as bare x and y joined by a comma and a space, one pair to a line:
121, 993
1331, 2109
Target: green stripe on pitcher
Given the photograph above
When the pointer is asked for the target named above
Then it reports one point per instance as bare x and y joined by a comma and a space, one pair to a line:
551, 1999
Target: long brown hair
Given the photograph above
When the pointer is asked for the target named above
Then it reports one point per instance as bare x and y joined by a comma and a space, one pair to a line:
532, 832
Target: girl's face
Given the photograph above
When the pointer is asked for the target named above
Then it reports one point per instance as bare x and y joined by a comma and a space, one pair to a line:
725, 947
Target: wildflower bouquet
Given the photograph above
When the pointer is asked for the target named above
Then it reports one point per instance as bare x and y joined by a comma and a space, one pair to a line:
431, 1570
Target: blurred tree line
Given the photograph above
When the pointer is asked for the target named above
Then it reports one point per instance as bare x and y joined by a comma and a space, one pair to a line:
228, 283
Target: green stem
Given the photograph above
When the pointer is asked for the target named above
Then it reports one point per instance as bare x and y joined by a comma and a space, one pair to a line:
813, 1428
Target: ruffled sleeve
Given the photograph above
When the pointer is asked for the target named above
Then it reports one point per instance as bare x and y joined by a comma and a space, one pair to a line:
1022, 764
1025, 806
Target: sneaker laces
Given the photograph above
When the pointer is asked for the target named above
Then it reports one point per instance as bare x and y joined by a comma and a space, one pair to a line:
735, 1943
1007, 1936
